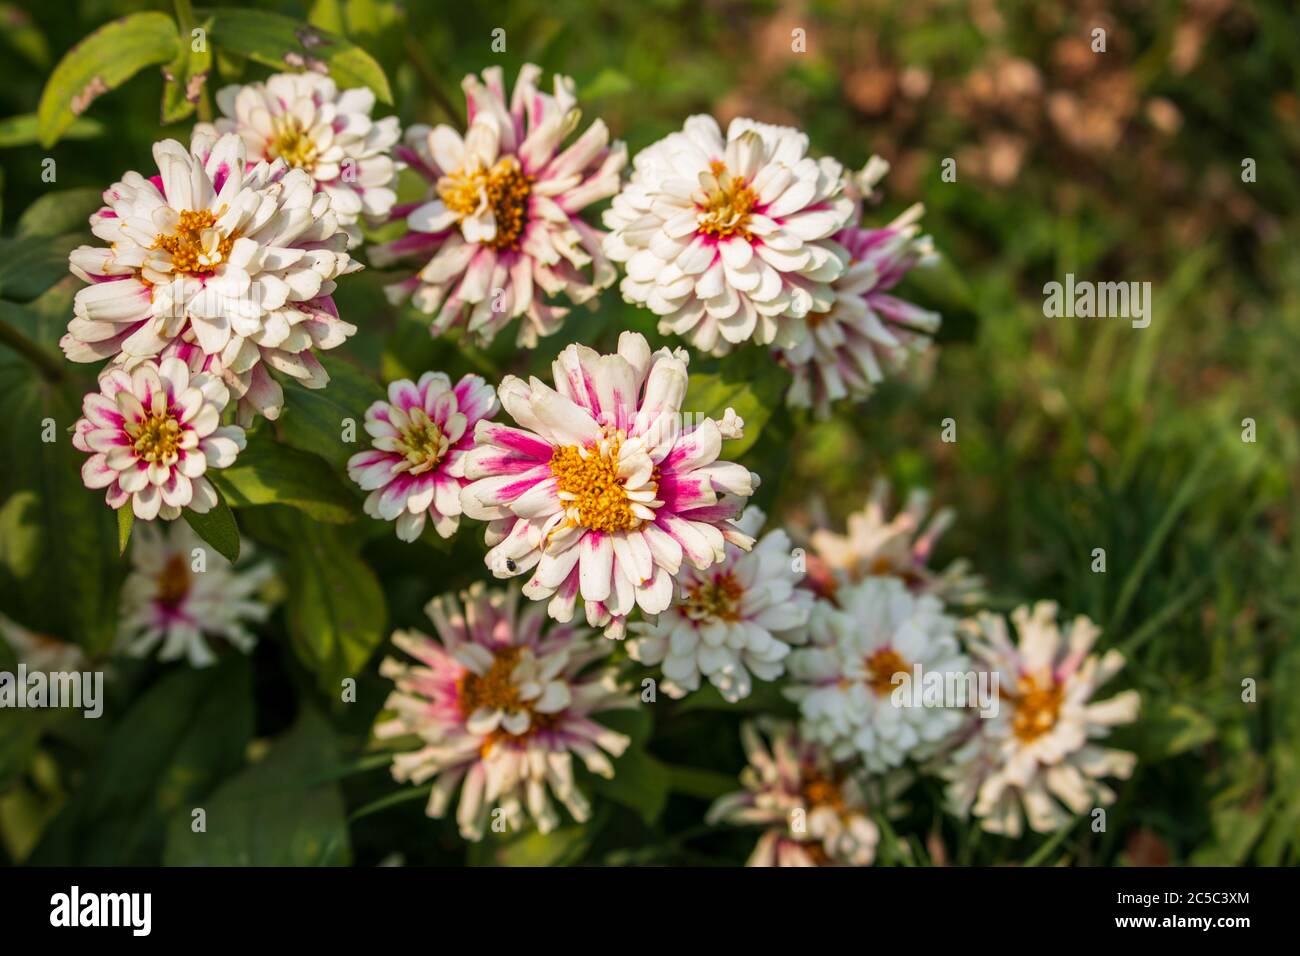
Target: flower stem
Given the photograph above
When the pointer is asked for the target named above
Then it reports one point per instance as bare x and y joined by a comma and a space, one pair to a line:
45, 363
185, 27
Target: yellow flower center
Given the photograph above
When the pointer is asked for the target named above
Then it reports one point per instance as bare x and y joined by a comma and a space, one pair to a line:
881, 668
725, 205
716, 600
598, 495
423, 442
173, 582
157, 438
504, 188
196, 247
820, 790
292, 144
496, 691
1036, 708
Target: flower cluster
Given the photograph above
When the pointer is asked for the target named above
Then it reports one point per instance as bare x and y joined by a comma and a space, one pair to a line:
501, 231
500, 705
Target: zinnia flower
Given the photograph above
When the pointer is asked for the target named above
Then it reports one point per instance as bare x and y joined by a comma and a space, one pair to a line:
152, 434
844, 681
733, 621
814, 812
501, 231
901, 546
867, 332
730, 239
303, 119
183, 595
417, 465
1040, 750
41, 652
600, 491
237, 259
502, 705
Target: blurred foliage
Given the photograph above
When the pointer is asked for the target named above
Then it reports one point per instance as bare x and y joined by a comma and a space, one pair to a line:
1072, 434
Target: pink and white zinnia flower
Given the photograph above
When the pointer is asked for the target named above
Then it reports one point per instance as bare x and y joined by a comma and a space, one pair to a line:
599, 490
501, 229
868, 331
417, 466
730, 239
502, 704
733, 621
236, 258
181, 597
1041, 750
303, 119
814, 812
152, 434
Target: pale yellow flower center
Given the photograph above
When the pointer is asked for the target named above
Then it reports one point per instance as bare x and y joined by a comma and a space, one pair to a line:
1036, 708
504, 188
291, 143
715, 600
724, 203
422, 442
196, 247
598, 494
157, 438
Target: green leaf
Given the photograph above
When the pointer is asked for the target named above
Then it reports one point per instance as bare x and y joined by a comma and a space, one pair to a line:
278, 812
940, 288
184, 78
268, 473
640, 782
563, 846
21, 130
60, 212
30, 265
217, 528
701, 784
59, 562
335, 608
278, 41
313, 419
125, 521
1169, 728
101, 62
748, 381
183, 735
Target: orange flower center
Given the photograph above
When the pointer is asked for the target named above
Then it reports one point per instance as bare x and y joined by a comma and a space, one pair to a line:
881, 668
1036, 708
599, 497
496, 691
173, 582
715, 600
504, 189
196, 247
725, 205
157, 438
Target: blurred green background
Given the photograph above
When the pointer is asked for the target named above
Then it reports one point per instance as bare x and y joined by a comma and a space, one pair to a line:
1072, 434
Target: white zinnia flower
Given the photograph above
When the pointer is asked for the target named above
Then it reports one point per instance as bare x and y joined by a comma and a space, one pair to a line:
303, 119
731, 620
876, 544
416, 469
845, 684
152, 434
501, 705
600, 490
183, 595
41, 652
814, 812
501, 230
1040, 751
729, 240
236, 259
868, 331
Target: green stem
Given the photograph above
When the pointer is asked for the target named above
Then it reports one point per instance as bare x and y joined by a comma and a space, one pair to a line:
185, 23
45, 363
